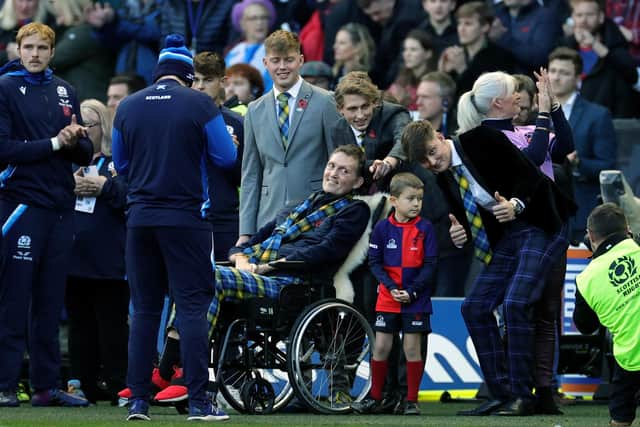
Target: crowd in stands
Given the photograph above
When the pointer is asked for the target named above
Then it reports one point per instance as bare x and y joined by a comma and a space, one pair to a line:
550, 75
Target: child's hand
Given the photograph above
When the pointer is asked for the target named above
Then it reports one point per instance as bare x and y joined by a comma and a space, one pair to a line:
400, 296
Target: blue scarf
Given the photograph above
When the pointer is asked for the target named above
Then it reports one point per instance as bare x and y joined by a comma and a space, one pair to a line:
15, 68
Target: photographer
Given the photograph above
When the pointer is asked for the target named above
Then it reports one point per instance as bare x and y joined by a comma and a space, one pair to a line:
608, 291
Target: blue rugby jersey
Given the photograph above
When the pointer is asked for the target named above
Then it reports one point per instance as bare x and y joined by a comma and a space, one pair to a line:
404, 256
163, 137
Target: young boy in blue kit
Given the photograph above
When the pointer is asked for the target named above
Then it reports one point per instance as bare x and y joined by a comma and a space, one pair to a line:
402, 256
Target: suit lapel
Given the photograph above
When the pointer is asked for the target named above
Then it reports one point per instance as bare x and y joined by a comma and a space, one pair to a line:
300, 106
576, 113
270, 106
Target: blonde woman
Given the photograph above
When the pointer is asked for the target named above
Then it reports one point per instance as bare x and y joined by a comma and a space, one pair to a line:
97, 297
353, 50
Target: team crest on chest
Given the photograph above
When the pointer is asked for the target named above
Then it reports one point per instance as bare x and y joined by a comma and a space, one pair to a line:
62, 92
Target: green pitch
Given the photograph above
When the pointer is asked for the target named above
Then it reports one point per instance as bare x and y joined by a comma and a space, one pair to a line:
433, 414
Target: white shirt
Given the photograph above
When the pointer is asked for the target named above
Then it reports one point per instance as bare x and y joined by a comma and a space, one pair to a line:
293, 91
480, 195
567, 107
357, 133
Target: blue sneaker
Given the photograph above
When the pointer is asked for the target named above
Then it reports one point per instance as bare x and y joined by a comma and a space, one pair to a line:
8, 399
210, 412
55, 397
138, 410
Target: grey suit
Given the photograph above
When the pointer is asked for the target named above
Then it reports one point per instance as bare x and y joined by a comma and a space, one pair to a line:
274, 179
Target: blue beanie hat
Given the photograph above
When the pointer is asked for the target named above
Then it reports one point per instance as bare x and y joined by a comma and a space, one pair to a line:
175, 59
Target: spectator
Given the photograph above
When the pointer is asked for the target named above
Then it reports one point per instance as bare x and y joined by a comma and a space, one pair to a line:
484, 159
13, 15
36, 207
253, 19
120, 87
97, 294
608, 295
374, 125
526, 89
318, 74
608, 72
521, 23
205, 24
353, 50
312, 38
440, 25
242, 84
223, 184
133, 32
418, 58
476, 54
79, 58
388, 22
626, 16
436, 101
166, 219
405, 273
287, 138
593, 133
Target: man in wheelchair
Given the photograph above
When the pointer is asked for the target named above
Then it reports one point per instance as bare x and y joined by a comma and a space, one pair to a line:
320, 231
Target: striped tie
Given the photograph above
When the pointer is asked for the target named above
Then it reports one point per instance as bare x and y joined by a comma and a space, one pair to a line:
361, 136
479, 234
283, 117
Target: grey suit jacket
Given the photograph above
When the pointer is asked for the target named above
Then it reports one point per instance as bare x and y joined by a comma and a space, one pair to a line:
274, 179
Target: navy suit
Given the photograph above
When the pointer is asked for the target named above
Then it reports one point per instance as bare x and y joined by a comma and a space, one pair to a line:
595, 142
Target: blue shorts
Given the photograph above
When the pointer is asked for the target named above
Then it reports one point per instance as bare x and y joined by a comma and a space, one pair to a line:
408, 323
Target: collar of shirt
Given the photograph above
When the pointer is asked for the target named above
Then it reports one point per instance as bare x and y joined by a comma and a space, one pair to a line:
356, 133
293, 91
567, 107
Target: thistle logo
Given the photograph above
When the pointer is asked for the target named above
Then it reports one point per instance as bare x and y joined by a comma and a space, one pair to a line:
24, 242
621, 270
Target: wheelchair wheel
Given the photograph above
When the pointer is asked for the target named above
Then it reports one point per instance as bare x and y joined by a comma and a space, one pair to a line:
258, 396
328, 364
243, 358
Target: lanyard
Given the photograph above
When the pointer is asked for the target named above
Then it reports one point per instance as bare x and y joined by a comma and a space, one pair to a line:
99, 164
193, 23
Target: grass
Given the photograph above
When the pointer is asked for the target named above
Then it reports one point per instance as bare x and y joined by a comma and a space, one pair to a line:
433, 414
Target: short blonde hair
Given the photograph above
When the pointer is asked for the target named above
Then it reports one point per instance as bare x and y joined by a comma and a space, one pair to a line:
357, 83
282, 42
34, 28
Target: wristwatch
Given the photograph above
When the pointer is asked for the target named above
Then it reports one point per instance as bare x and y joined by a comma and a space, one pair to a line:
517, 206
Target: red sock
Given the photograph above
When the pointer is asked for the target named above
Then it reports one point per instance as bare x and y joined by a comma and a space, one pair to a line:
414, 376
378, 374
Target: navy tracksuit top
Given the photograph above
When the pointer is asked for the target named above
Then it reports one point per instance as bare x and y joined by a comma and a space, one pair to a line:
159, 134
30, 115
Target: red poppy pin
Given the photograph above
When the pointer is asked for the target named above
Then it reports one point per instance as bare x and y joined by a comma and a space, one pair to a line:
302, 104
372, 134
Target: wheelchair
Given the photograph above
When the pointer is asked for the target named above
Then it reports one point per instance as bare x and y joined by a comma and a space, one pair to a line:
306, 344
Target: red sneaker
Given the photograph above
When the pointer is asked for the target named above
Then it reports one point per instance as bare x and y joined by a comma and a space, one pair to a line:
173, 393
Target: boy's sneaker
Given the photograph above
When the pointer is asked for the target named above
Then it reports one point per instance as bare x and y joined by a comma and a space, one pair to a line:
138, 410
411, 408
8, 399
367, 406
209, 412
55, 397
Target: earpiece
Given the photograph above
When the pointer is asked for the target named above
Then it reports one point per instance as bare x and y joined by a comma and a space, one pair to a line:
445, 104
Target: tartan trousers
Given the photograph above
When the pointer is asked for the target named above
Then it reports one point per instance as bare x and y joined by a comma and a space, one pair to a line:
236, 285
515, 278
